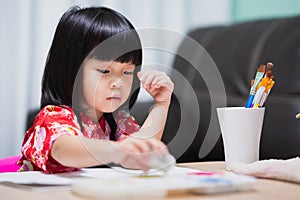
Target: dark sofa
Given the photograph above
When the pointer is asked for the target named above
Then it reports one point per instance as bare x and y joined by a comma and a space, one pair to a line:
236, 50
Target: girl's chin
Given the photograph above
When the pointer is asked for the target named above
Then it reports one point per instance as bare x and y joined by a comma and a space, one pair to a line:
110, 108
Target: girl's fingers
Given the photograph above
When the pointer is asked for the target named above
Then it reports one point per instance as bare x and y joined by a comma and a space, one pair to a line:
136, 153
143, 147
158, 80
135, 163
136, 146
130, 155
157, 147
148, 79
140, 146
151, 77
164, 82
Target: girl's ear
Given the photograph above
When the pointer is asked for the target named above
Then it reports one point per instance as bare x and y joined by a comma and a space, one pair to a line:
298, 116
139, 74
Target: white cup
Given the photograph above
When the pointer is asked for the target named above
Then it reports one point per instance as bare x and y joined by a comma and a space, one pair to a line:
241, 131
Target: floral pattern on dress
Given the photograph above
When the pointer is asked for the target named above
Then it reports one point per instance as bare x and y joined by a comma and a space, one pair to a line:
55, 121
95, 130
126, 124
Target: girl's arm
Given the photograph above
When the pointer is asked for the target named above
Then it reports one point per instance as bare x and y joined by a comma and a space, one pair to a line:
160, 87
79, 151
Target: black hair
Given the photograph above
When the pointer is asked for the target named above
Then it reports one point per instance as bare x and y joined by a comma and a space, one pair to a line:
78, 33
77, 36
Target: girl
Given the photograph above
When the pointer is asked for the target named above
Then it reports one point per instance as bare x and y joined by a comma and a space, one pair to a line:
89, 74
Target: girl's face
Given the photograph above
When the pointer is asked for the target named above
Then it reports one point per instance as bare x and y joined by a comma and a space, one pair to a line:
106, 86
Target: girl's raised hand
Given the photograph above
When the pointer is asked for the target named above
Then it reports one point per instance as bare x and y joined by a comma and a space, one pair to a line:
157, 84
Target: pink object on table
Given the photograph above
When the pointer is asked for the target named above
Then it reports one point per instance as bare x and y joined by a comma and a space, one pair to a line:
203, 173
9, 164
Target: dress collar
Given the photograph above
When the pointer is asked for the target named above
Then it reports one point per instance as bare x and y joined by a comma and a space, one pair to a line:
98, 130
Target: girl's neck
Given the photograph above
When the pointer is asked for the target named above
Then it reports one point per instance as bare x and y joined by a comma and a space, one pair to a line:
93, 115
91, 112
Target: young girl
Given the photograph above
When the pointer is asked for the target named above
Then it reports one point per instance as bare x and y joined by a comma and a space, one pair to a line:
89, 74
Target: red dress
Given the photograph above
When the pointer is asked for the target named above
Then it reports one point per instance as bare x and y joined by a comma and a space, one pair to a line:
54, 121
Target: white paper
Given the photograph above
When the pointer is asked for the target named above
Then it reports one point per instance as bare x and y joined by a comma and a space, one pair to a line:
37, 177
34, 177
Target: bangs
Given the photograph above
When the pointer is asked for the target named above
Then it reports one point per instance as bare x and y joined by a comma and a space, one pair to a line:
116, 39
124, 48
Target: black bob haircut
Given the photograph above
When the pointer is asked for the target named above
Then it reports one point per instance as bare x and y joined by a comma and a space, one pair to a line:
77, 36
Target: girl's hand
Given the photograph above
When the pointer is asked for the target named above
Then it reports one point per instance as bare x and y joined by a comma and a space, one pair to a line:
135, 153
157, 84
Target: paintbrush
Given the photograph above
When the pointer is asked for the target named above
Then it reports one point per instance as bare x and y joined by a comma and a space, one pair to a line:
259, 93
269, 69
259, 75
270, 85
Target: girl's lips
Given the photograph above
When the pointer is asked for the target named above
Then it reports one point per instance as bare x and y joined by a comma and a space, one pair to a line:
113, 98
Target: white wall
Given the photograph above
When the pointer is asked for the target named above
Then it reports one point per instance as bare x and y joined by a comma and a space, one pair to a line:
27, 28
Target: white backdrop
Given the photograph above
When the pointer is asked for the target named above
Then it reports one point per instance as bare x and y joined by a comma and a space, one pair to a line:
26, 32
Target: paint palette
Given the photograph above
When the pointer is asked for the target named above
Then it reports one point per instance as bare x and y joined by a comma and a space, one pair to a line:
177, 180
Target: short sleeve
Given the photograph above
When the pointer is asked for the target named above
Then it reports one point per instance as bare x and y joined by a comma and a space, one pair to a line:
126, 124
50, 123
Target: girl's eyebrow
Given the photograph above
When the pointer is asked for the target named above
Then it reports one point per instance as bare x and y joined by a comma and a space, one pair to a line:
129, 67
108, 64
102, 65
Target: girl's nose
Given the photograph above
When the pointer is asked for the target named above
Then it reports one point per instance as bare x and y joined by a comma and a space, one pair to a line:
117, 83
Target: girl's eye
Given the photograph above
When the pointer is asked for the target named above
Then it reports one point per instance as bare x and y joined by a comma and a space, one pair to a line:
128, 73
103, 71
